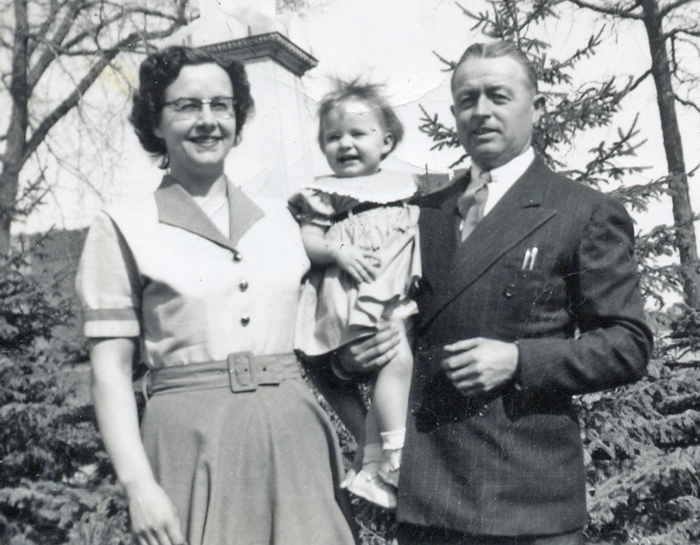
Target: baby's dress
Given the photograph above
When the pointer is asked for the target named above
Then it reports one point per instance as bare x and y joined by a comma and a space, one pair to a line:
335, 309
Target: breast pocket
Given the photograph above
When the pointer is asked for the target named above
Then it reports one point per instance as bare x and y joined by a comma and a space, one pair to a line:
531, 292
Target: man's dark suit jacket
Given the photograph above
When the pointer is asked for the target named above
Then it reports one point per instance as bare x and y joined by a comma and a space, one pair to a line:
510, 462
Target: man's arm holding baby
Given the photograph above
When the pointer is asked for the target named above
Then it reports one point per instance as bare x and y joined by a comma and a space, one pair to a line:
367, 354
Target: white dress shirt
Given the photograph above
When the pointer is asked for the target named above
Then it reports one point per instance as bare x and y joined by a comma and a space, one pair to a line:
503, 177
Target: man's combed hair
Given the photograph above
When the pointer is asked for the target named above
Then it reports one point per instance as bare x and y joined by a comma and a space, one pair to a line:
162, 68
495, 50
369, 93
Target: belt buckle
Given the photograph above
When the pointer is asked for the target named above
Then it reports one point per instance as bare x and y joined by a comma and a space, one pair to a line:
241, 372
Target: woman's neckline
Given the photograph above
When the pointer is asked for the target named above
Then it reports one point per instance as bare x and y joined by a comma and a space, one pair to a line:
201, 190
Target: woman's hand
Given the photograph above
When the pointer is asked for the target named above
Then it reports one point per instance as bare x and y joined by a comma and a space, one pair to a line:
359, 264
154, 518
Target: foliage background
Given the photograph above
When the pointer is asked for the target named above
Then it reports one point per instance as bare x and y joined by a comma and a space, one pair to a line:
642, 441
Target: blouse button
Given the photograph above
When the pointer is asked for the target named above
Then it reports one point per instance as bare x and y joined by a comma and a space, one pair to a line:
243, 285
245, 320
237, 256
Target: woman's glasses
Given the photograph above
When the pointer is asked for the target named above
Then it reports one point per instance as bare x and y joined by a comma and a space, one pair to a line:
191, 108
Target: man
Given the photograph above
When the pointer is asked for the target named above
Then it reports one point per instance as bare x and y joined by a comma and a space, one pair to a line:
534, 304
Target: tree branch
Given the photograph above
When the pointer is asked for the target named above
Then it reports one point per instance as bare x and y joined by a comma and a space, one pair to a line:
49, 53
695, 33
665, 10
688, 103
46, 25
636, 83
55, 47
626, 13
72, 100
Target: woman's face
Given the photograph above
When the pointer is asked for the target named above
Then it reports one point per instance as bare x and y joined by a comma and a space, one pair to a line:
198, 138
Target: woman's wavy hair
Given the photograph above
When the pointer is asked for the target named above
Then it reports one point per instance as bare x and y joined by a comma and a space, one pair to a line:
370, 94
162, 68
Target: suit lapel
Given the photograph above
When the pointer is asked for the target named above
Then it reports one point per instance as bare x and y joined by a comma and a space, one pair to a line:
515, 216
177, 208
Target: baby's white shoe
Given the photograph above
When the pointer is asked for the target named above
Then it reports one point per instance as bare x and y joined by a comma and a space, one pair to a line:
372, 488
389, 466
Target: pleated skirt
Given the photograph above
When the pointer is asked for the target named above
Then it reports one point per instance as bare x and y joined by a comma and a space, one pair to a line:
250, 468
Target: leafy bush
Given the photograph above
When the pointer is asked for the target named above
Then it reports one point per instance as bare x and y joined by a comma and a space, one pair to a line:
55, 482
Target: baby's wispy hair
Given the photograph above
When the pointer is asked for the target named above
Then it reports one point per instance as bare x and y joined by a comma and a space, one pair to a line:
370, 93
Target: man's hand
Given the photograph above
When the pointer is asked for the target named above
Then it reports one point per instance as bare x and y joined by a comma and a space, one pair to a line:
480, 365
371, 353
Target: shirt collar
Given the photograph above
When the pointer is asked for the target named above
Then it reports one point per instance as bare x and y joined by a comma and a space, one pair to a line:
503, 177
509, 173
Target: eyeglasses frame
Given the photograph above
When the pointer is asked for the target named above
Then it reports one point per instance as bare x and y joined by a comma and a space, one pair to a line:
202, 102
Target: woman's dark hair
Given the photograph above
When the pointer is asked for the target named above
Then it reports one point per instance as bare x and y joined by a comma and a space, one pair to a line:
370, 94
162, 68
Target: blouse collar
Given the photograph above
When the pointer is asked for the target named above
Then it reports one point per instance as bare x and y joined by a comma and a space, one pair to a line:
177, 208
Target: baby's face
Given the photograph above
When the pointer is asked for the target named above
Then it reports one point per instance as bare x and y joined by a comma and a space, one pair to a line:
355, 139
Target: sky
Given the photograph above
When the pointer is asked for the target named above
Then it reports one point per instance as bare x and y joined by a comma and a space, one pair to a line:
386, 41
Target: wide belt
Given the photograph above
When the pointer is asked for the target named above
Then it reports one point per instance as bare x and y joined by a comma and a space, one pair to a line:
241, 372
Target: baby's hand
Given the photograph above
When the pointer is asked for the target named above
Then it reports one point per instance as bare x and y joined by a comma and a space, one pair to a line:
359, 264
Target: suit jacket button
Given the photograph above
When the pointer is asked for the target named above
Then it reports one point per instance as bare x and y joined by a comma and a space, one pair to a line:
243, 285
237, 256
245, 320
415, 409
509, 291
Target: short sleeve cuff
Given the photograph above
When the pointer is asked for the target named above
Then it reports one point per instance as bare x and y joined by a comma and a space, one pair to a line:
110, 323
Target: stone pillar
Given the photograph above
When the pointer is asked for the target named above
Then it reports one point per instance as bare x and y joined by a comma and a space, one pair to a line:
274, 157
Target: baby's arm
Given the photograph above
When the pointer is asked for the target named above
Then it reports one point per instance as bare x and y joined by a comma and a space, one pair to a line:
359, 264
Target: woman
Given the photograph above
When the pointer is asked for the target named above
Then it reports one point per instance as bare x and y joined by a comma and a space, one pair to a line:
233, 447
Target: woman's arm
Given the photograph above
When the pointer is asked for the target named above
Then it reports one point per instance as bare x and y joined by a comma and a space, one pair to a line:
154, 518
359, 264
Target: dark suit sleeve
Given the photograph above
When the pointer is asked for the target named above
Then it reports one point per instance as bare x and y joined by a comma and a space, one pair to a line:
613, 344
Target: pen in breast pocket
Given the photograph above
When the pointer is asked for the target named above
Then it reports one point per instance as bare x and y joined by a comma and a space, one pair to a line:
529, 260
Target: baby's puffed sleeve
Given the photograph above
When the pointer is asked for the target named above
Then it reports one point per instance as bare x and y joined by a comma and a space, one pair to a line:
313, 206
107, 283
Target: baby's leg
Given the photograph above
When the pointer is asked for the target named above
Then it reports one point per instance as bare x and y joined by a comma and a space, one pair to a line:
390, 400
390, 396
366, 483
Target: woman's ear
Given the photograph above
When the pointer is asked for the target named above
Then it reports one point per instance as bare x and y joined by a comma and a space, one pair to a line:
158, 131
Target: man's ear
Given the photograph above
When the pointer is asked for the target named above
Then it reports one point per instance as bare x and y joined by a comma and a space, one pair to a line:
452, 109
538, 104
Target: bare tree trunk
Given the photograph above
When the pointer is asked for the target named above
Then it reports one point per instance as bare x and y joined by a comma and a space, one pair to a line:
13, 158
678, 179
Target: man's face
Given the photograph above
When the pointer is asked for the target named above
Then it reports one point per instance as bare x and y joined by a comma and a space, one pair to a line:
495, 108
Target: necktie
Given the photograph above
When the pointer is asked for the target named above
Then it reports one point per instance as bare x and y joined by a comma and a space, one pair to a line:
471, 204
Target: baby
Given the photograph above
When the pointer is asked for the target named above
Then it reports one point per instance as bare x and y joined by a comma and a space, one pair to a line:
363, 238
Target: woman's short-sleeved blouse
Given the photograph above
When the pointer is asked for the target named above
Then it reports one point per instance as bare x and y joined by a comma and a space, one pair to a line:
155, 267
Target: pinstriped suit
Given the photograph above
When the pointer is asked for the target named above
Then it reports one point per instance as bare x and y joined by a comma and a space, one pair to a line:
510, 462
